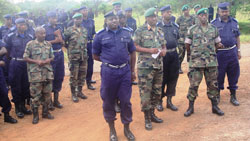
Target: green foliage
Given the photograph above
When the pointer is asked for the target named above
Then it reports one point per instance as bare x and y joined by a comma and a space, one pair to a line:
6, 8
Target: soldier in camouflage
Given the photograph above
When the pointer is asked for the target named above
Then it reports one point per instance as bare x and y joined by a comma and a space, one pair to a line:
149, 40
185, 21
201, 43
197, 7
38, 54
76, 39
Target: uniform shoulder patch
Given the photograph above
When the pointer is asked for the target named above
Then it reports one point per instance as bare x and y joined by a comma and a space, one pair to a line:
127, 29
213, 21
10, 34
175, 24
31, 36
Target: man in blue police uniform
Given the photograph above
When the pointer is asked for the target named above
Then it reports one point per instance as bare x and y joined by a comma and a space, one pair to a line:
30, 23
89, 24
131, 22
18, 77
4, 99
116, 72
55, 37
228, 57
5, 29
171, 60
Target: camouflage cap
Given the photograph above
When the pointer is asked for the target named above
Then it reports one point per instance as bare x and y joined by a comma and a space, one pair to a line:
202, 11
77, 15
197, 6
185, 7
150, 12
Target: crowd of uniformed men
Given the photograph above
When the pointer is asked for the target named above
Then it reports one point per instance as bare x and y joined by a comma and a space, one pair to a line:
32, 60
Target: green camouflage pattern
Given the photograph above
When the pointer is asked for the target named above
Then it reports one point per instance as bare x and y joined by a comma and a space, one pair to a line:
196, 19
195, 76
202, 49
40, 93
184, 23
78, 72
147, 38
39, 51
76, 39
181, 52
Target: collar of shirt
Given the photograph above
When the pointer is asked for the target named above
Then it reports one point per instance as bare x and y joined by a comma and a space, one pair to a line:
168, 24
114, 31
229, 19
21, 35
151, 28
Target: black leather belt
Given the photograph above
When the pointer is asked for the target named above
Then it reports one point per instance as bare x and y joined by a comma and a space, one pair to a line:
115, 66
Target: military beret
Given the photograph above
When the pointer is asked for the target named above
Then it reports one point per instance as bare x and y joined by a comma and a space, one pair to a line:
197, 6
116, 3
51, 14
77, 15
128, 9
120, 13
202, 11
20, 20
7, 16
185, 7
223, 5
23, 14
81, 8
165, 8
150, 12
109, 14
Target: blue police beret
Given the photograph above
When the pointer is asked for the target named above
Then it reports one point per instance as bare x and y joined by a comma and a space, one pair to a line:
7, 16
223, 5
81, 8
109, 14
51, 14
165, 8
128, 9
120, 13
20, 20
23, 14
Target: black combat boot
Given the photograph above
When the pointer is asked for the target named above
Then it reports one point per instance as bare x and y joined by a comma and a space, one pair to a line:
80, 94
50, 106
154, 118
127, 132
170, 104
9, 119
45, 113
112, 134
57, 104
89, 85
35, 115
24, 109
233, 99
74, 95
18, 110
215, 108
190, 109
148, 123
117, 106
159, 106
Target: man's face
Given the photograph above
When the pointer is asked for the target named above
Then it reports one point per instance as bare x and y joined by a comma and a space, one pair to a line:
203, 18
152, 20
8, 21
167, 14
21, 27
186, 12
128, 13
78, 21
122, 20
84, 12
117, 7
40, 35
112, 22
53, 20
223, 14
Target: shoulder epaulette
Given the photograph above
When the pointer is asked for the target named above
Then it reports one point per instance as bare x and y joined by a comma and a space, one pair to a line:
100, 31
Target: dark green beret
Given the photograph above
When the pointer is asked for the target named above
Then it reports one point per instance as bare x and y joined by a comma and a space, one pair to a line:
77, 15
185, 7
197, 6
150, 12
116, 3
202, 11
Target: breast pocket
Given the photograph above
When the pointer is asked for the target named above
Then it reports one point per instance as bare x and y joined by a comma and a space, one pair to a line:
196, 40
36, 53
148, 41
107, 42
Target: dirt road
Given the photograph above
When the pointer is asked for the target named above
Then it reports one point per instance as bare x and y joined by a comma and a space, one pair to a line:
84, 121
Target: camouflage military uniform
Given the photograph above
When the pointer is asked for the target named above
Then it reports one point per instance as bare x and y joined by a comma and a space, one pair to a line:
150, 70
196, 19
40, 77
76, 38
184, 23
202, 59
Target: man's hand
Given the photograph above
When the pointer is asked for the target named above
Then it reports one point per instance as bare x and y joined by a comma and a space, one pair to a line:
153, 50
133, 76
40, 62
163, 52
239, 55
219, 46
2, 63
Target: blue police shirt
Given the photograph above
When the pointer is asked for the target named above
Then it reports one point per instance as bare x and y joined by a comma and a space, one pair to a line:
89, 24
228, 31
113, 47
4, 30
171, 33
51, 36
131, 22
16, 43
